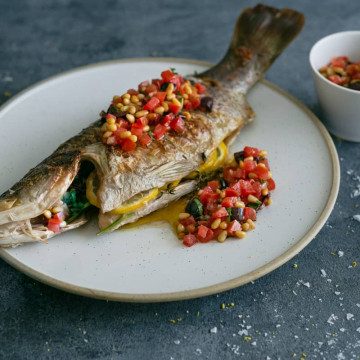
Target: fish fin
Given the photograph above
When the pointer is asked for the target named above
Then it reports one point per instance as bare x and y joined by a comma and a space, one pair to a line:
261, 34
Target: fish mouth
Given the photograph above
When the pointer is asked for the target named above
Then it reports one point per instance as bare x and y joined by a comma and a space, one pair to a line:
62, 198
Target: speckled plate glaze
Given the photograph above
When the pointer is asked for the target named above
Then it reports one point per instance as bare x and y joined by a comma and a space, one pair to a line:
149, 263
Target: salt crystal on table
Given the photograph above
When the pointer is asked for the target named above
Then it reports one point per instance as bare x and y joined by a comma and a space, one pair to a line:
323, 273
357, 217
214, 330
349, 316
340, 253
176, 342
331, 319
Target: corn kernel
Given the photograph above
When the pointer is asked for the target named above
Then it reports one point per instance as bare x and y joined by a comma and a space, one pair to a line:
170, 88
141, 113
222, 236
125, 134
252, 199
240, 234
180, 228
215, 224
183, 216
47, 214
112, 127
160, 110
130, 117
223, 225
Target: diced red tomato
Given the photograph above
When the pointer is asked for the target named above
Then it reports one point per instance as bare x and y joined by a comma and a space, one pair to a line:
159, 131
161, 95
178, 125
352, 69
336, 79
200, 88
167, 119
152, 104
174, 108
229, 202
233, 227
128, 145
137, 129
204, 234
231, 192
123, 124
249, 166
249, 213
167, 75
145, 140
256, 187
271, 184
262, 172
340, 61
251, 151
142, 121
187, 105
239, 174
188, 221
195, 101
207, 195
189, 240
209, 236
202, 231
60, 216
54, 225
214, 184
220, 213
246, 188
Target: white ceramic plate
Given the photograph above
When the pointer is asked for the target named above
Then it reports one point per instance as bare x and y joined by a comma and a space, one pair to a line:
149, 263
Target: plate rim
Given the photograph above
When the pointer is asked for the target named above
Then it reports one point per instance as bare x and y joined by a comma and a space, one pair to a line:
203, 291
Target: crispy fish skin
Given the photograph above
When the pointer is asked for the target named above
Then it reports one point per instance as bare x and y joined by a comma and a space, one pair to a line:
261, 33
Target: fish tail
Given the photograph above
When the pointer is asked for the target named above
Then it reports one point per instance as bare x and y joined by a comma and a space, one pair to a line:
261, 34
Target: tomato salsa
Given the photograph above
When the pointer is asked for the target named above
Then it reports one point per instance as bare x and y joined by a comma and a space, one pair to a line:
228, 205
156, 108
343, 72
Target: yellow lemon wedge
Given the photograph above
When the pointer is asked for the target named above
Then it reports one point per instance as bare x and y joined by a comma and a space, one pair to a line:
136, 202
91, 187
131, 205
221, 152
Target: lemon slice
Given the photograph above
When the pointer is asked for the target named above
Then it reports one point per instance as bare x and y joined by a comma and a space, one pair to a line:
210, 161
91, 183
221, 156
136, 202
131, 205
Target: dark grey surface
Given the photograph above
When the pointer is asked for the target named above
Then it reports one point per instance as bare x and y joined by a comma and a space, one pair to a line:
284, 317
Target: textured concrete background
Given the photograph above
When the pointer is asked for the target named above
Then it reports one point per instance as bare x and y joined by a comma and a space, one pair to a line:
277, 317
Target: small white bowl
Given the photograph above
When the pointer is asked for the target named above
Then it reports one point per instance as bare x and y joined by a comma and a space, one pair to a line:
340, 105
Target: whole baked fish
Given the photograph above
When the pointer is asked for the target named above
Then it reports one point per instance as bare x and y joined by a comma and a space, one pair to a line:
160, 172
